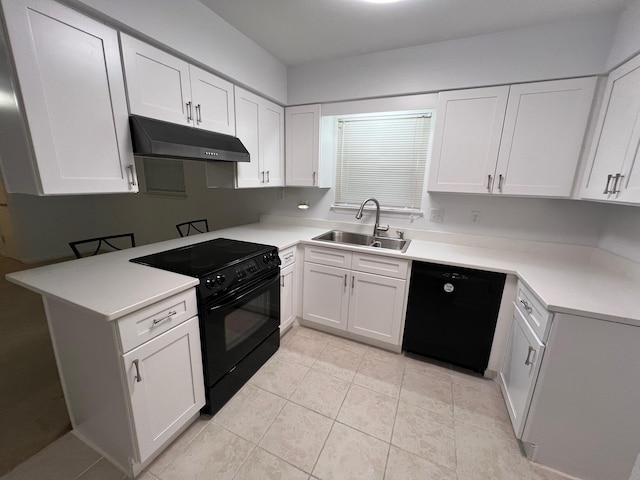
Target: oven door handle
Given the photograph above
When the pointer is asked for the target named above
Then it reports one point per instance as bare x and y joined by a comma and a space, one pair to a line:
240, 298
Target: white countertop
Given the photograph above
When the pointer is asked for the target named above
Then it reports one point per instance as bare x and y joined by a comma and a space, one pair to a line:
111, 286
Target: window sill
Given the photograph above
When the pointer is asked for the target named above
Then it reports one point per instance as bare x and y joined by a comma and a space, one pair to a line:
388, 212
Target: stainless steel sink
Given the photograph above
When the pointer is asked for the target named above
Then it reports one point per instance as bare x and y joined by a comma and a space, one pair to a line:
363, 240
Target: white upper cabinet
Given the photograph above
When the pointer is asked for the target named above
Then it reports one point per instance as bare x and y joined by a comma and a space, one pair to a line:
70, 80
467, 139
614, 174
302, 125
542, 138
260, 127
520, 140
166, 88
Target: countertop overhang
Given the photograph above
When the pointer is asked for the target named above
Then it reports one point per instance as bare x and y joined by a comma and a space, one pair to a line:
110, 286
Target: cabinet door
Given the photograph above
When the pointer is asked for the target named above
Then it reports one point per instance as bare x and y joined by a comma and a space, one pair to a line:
271, 128
165, 384
519, 370
466, 140
302, 126
376, 306
325, 297
249, 174
157, 83
213, 107
542, 137
615, 141
287, 298
630, 184
70, 76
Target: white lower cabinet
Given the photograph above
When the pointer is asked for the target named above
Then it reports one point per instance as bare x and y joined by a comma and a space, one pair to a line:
163, 395
131, 385
287, 297
353, 299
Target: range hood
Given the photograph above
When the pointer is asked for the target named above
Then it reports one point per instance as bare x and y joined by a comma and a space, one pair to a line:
154, 138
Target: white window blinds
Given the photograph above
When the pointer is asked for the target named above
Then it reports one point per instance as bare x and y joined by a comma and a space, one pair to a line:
382, 156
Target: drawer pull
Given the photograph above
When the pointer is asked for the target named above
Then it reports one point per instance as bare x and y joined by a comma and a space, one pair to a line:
138, 377
528, 360
288, 256
526, 306
156, 321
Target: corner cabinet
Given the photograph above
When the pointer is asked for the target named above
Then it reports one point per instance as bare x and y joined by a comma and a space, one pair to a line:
131, 385
73, 103
260, 127
522, 139
614, 172
167, 88
358, 293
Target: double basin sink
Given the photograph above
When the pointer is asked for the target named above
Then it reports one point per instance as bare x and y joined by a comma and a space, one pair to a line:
363, 240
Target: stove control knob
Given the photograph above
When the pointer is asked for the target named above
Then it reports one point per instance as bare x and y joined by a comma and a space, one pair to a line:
220, 279
209, 283
266, 258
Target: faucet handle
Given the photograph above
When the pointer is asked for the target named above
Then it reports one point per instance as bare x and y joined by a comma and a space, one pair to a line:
383, 229
400, 234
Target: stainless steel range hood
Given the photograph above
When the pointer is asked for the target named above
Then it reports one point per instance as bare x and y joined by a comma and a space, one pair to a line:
154, 138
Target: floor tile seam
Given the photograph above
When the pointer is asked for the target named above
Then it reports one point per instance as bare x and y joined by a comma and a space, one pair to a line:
331, 374
91, 466
315, 411
278, 394
376, 392
428, 411
324, 444
272, 422
497, 394
496, 430
430, 375
341, 422
461, 423
244, 461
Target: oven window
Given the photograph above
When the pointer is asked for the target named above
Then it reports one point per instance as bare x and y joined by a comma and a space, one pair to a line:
242, 323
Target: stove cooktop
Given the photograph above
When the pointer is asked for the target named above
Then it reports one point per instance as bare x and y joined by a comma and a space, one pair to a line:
202, 259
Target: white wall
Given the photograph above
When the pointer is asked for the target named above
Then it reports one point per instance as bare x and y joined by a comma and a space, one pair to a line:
190, 28
562, 49
621, 231
626, 42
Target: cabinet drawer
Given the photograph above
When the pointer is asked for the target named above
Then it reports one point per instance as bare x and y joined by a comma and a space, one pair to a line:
149, 322
533, 311
380, 265
328, 256
287, 256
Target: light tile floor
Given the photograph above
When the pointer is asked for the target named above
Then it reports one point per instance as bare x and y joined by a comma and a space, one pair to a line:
327, 408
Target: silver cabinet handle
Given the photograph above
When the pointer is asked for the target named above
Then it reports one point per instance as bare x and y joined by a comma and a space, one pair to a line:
606, 187
262, 174
156, 321
345, 281
289, 256
500, 179
526, 306
198, 113
282, 280
189, 113
314, 177
489, 183
528, 360
352, 282
618, 177
133, 175
268, 176
138, 377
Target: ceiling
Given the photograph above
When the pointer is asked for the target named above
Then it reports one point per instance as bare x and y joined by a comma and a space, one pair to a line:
302, 31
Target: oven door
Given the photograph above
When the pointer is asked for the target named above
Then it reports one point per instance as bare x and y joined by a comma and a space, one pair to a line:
234, 327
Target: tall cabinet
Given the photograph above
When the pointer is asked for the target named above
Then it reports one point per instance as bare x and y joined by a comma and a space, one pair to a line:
73, 131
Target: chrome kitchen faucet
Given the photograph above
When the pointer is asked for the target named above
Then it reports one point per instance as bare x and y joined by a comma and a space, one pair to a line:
376, 228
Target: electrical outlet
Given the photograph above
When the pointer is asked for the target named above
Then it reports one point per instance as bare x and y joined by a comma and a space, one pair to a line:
436, 215
475, 216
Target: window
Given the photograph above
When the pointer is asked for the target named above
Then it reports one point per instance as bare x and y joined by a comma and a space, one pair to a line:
382, 156
164, 177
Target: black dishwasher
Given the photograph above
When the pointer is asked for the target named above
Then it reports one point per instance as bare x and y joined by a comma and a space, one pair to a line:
452, 313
